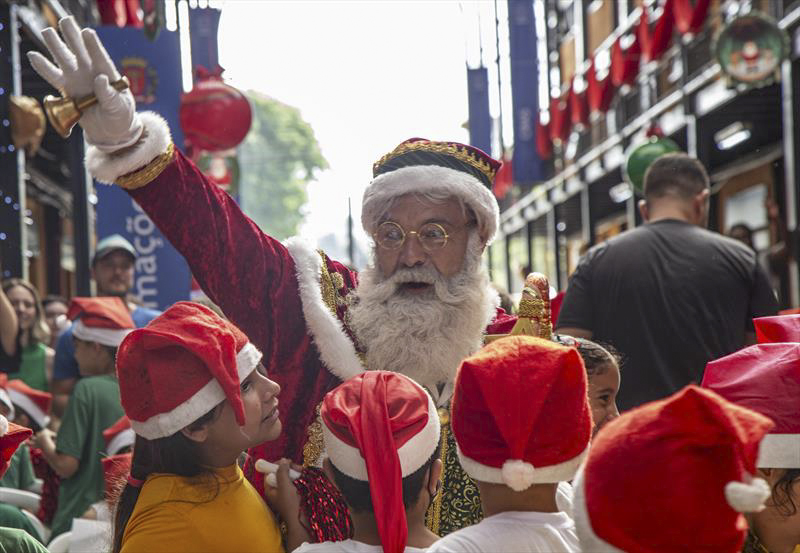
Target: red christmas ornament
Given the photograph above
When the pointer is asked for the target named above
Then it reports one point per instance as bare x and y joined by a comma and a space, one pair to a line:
214, 116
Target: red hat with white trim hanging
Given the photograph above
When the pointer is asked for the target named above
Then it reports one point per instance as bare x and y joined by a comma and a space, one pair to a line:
380, 427
119, 436
780, 328
105, 320
180, 366
766, 378
520, 413
34, 402
5, 399
11, 435
670, 473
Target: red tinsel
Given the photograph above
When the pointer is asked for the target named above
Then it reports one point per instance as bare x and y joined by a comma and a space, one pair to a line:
49, 502
324, 507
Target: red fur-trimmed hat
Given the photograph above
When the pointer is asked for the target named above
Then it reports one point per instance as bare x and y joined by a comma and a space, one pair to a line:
34, 402
381, 427
11, 435
103, 320
766, 378
119, 436
180, 366
672, 475
520, 413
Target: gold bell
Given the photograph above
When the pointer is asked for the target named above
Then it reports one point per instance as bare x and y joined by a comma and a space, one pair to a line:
64, 113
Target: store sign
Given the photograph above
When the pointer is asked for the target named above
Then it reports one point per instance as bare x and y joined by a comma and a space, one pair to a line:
750, 50
161, 274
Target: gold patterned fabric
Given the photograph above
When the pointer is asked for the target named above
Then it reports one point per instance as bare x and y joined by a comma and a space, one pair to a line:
753, 545
149, 172
458, 503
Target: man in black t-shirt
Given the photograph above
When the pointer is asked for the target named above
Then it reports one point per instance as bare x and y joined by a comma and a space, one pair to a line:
670, 295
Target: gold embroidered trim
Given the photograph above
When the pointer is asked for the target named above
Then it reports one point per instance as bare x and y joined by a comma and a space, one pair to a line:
328, 290
315, 446
149, 172
435, 510
462, 154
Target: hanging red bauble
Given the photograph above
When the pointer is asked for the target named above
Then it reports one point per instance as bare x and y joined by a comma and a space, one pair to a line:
214, 116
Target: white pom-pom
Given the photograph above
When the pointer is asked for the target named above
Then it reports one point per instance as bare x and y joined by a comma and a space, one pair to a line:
747, 498
517, 474
3, 425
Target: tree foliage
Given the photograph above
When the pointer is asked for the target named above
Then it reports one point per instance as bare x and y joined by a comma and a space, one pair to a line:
278, 158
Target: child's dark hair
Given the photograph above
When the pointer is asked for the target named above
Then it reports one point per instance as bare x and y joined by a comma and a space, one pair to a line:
783, 493
174, 454
357, 495
595, 356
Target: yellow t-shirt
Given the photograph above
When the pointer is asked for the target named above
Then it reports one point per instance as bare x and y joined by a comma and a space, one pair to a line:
177, 514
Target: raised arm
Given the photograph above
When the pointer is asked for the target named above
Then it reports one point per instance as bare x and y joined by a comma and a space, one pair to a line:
243, 270
8, 326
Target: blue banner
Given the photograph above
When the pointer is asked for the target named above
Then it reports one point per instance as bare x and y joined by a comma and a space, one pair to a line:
480, 121
154, 69
203, 25
526, 165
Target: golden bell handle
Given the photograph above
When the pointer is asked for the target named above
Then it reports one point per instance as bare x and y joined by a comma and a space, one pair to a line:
64, 113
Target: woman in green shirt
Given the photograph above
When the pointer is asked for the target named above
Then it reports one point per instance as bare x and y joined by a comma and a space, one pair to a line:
36, 367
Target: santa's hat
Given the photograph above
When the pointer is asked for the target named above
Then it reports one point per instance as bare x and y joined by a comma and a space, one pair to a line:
119, 436
520, 413
670, 473
5, 399
381, 427
766, 379
11, 435
180, 366
116, 469
35, 403
105, 321
780, 328
426, 167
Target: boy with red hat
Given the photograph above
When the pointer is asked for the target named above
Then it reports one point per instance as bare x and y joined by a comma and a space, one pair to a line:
381, 432
672, 475
766, 378
14, 539
521, 419
100, 324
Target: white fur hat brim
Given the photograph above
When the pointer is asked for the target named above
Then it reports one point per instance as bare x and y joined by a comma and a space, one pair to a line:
431, 179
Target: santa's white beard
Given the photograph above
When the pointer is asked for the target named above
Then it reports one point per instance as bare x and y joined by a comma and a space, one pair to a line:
424, 336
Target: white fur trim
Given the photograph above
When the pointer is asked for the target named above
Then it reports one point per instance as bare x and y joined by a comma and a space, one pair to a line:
6, 400
3, 425
779, 451
541, 475
107, 167
168, 423
747, 497
517, 474
583, 525
423, 179
413, 454
123, 439
104, 336
335, 347
26, 404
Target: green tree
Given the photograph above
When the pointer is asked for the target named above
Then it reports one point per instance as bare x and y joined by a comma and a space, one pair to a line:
277, 159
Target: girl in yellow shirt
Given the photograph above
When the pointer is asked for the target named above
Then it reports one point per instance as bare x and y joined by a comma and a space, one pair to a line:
197, 396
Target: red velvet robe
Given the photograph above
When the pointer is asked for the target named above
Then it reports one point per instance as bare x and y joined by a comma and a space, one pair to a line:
288, 299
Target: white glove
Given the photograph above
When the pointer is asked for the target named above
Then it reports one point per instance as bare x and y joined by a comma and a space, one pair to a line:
84, 67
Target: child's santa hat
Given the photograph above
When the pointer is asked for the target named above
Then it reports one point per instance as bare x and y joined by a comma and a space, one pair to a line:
766, 379
11, 436
116, 469
671, 473
520, 413
381, 427
780, 328
119, 436
5, 399
105, 321
180, 366
34, 402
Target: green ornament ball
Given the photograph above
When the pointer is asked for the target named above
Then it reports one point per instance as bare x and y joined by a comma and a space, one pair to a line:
641, 156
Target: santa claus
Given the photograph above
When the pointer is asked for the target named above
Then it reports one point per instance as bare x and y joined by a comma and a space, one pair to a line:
422, 305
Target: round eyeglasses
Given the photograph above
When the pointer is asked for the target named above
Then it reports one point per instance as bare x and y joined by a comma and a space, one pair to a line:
391, 236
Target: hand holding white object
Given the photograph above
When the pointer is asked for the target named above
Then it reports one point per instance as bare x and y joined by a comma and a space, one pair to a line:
83, 67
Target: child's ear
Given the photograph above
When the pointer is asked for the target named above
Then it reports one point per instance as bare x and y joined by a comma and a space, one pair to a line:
434, 476
196, 433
